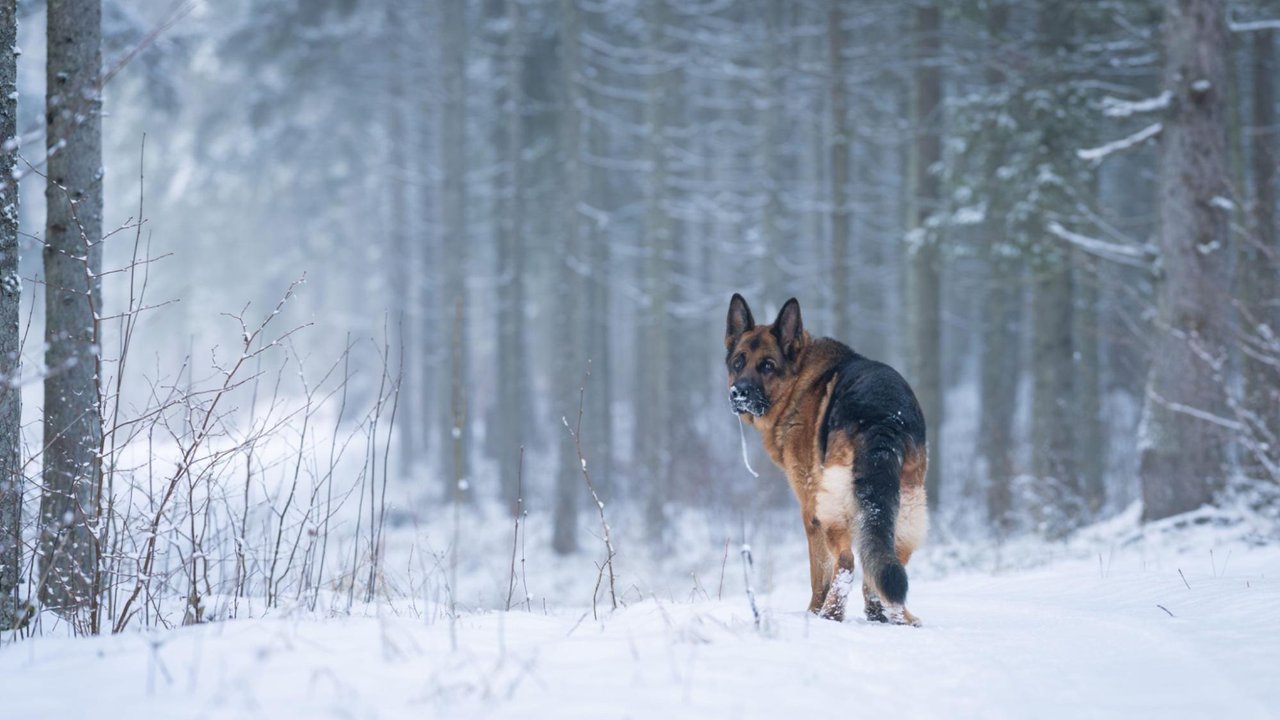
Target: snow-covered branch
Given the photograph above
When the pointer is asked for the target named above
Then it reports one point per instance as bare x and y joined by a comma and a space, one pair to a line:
1134, 255
1115, 107
1255, 25
1100, 153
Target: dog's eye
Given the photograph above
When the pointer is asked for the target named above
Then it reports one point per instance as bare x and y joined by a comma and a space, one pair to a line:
767, 367
738, 363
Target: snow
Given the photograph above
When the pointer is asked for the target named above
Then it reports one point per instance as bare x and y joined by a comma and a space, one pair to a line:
1131, 622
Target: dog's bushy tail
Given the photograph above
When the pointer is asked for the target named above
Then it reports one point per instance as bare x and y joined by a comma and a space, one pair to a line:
876, 474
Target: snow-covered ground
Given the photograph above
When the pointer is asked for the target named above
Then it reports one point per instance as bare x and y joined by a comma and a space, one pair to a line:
1125, 622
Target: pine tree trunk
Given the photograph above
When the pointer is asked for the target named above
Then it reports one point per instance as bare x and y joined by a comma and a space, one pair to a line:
11, 476
999, 353
1052, 441
1182, 453
512, 414
403, 323
598, 435
924, 298
1090, 447
454, 423
1260, 264
652, 404
72, 263
570, 371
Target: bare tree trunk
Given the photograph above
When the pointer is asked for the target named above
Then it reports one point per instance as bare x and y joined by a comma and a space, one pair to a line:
455, 438
598, 432
404, 325
652, 404
999, 354
924, 276
772, 96
512, 415
1182, 453
840, 268
1052, 441
72, 264
11, 477
1090, 447
568, 478
1260, 261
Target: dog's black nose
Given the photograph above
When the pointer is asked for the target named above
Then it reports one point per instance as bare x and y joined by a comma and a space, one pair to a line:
736, 393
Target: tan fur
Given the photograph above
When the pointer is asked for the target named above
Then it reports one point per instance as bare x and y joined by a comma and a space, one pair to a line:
824, 486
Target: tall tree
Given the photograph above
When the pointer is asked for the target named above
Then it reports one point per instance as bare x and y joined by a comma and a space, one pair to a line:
10, 294
924, 274
652, 402
73, 298
399, 227
1260, 263
455, 435
999, 354
1183, 449
511, 417
1052, 287
570, 370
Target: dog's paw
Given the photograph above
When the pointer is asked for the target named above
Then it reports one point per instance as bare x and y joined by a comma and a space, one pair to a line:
899, 615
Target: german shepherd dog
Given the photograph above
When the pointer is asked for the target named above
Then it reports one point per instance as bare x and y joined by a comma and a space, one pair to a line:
850, 436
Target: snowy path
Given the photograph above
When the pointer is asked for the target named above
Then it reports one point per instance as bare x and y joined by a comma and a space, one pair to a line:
1062, 641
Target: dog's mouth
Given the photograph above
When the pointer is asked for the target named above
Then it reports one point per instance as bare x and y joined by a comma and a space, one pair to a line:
751, 403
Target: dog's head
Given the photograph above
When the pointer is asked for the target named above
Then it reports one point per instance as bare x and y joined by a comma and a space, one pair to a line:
762, 361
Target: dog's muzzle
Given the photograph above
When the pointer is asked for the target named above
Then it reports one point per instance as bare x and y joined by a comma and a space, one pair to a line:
748, 399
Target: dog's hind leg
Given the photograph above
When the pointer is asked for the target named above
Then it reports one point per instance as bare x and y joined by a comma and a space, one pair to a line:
819, 562
913, 514
834, 512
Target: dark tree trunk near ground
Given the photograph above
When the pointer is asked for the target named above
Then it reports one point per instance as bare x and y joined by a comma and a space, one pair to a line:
924, 257
1183, 445
1089, 438
72, 264
11, 476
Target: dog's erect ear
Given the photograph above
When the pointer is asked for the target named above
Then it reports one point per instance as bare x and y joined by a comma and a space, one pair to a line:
789, 328
740, 320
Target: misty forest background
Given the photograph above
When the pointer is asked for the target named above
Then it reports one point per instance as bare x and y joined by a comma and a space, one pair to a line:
1056, 219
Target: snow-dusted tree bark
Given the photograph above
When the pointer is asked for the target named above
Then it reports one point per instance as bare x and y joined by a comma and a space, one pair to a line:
72, 263
1260, 264
11, 476
924, 258
1183, 445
